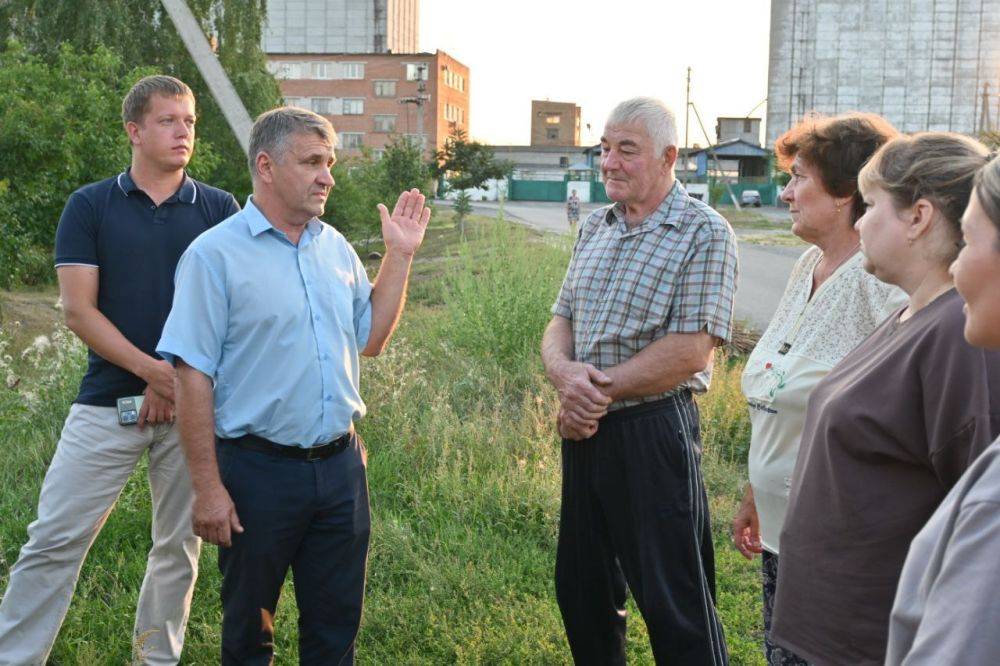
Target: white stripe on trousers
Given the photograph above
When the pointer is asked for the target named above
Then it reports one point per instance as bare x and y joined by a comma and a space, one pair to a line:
696, 491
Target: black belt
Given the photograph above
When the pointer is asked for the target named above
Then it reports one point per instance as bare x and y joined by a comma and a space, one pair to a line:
262, 445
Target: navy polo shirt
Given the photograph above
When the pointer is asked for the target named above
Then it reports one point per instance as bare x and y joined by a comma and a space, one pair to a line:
135, 245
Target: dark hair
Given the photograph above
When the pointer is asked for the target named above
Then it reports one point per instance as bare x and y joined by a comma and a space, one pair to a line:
837, 147
987, 184
136, 102
937, 166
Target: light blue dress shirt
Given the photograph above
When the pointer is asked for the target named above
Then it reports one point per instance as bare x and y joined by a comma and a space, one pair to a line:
278, 327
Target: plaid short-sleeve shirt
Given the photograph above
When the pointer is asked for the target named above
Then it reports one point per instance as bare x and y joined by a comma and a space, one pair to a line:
625, 288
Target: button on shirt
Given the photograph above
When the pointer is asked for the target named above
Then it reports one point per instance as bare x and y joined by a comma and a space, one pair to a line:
277, 326
675, 272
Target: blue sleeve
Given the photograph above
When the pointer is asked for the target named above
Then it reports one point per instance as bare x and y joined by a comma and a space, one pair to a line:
232, 207
196, 327
76, 236
362, 299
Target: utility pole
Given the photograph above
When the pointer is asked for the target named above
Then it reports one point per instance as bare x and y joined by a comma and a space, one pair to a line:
211, 70
687, 108
419, 100
687, 121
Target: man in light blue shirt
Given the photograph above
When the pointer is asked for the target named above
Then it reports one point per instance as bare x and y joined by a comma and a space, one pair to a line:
274, 307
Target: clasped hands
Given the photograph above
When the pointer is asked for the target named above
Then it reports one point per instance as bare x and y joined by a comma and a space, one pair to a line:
583, 398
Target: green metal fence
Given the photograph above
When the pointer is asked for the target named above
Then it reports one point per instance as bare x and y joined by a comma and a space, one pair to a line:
536, 190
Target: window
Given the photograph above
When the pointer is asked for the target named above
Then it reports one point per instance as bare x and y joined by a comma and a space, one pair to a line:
385, 123
350, 140
283, 69
353, 70
416, 70
454, 113
354, 107
454, 80
296, 101
322, 70
553, 118
564, 161
747, 125
552, 133
385, 88
322, 105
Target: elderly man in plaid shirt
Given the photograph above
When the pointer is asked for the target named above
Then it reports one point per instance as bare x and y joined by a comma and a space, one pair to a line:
647, 298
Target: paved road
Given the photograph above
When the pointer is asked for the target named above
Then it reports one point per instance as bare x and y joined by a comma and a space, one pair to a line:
764, 269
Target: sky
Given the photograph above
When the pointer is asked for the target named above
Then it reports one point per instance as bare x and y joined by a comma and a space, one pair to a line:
597, 54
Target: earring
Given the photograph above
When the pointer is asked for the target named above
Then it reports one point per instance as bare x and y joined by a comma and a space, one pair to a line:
839, 206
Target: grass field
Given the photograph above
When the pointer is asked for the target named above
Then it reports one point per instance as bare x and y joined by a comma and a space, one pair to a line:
463, 471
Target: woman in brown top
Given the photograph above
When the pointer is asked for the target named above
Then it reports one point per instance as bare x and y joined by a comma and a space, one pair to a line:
892, 427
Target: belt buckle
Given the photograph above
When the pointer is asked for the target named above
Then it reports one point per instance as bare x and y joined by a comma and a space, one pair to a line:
312, 453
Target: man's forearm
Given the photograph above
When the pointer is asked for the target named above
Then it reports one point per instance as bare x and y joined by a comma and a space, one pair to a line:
557, 344
388, 297
196, 421
98, 333
662, 366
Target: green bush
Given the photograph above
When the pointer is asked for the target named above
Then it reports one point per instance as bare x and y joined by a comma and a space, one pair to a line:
363, 182
60, 128
497, 300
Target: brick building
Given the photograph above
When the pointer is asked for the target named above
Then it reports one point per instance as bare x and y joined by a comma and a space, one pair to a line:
369, 97
554, 123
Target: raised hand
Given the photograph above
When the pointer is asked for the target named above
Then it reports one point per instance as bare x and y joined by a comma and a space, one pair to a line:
403, 231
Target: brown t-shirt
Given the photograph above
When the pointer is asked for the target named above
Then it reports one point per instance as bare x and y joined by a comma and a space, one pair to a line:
887, 433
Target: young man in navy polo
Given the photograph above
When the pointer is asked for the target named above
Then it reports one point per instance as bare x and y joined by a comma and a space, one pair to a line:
117, 246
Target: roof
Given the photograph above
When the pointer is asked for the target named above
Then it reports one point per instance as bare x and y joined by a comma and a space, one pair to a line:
734, 148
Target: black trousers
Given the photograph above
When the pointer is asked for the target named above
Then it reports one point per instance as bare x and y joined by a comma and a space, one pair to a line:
635, 517
308, 515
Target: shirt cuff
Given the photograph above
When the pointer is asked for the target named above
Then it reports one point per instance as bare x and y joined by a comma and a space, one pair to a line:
171, 351
562, 310
713, 327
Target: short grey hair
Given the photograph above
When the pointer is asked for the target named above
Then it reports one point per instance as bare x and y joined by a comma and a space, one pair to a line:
652, 115
272, 129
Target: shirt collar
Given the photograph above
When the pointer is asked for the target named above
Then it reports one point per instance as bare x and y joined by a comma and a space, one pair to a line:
186, 193
668, 212
258, 224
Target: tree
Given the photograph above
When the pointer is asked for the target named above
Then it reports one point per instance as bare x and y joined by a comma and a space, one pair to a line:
468, 164
462, 209
142, 35
60, 126
403, 168
363, 181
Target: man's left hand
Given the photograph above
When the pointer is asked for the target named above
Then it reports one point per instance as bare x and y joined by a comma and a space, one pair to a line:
403, 231
573, 428
155, 409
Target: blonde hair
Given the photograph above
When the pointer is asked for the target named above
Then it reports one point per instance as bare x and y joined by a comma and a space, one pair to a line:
987, 184
937, 166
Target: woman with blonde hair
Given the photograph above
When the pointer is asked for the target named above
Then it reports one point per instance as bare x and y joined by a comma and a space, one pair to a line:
894, 425
946, 609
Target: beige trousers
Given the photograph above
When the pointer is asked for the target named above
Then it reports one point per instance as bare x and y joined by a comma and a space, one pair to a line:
93, 460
